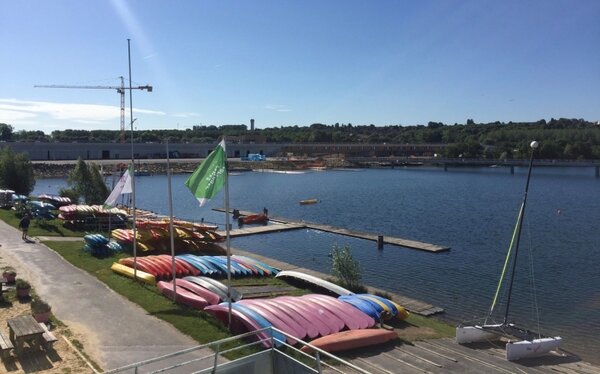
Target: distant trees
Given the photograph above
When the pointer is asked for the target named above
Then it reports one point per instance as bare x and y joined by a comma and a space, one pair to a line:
16, 172
559, 138
6, 132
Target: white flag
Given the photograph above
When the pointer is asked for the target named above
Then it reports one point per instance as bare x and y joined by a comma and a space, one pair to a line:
123, 186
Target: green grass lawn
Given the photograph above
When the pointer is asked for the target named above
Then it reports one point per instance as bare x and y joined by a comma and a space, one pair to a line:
53, 227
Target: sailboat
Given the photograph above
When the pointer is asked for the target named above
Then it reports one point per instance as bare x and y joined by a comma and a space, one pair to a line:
522, 342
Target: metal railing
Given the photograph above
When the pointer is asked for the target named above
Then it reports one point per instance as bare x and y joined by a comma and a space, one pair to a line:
313, 363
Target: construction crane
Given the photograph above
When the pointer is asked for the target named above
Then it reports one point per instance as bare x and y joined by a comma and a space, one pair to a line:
120, 90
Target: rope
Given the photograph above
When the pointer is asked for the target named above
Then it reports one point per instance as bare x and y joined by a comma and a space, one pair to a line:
533, 289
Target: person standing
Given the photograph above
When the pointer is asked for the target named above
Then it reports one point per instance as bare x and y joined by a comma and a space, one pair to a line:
24, 225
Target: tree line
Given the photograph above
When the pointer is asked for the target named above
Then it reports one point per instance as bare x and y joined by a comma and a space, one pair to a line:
559, 138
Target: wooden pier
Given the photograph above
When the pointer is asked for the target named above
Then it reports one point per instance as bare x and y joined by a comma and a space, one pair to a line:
282, 224
262, 229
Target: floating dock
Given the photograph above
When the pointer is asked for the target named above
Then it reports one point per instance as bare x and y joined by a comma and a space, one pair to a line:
283, 224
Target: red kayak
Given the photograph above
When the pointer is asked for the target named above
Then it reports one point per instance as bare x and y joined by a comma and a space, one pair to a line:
255, 218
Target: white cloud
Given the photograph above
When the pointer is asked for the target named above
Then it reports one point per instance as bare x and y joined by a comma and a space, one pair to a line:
7, 115
12, 109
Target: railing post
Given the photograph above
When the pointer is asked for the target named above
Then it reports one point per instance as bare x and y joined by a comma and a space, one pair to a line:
318, 358
214, 370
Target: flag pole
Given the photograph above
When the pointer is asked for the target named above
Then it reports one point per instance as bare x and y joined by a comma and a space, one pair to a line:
171, 225
227, 238
132, 165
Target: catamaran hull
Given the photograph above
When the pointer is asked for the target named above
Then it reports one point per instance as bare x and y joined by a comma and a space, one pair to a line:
474, 334
533, 348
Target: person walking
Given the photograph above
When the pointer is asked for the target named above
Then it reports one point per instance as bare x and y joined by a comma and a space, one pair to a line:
24, 225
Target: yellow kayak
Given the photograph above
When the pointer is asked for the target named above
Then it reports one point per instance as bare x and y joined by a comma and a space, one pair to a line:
128, 272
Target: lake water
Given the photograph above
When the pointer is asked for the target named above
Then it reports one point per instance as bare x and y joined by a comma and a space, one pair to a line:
473, 211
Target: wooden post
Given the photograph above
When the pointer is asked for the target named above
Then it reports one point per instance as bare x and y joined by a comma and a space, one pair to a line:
597, 171
512, 170
380, 242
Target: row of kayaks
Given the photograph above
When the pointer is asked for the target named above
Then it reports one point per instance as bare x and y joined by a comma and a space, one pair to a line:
331, 323
79, 211
155, 236
161, 266
55, 199
300, 317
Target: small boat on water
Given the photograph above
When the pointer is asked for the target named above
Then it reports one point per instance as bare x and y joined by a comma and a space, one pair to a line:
254, 218
351, 339
308, 201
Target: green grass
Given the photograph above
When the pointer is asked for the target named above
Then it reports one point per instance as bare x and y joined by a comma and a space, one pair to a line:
52, 227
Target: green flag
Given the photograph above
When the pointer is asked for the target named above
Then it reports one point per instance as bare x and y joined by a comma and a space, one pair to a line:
209, 178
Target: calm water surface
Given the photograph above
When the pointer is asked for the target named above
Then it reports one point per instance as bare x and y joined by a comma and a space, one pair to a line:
473, 211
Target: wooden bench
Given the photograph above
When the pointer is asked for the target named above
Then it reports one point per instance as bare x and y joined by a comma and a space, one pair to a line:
5, 346
49, 337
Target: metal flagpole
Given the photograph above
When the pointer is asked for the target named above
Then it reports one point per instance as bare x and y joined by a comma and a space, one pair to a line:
171, 225
132, 165
227, 237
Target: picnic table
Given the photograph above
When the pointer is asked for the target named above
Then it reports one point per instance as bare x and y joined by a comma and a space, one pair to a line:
25, 329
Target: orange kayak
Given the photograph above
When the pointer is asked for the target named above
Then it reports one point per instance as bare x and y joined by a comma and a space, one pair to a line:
351, 339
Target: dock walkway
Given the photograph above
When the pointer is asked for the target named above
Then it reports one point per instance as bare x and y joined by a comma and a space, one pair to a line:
283, 224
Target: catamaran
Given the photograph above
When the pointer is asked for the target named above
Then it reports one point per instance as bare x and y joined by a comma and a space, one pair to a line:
528, 343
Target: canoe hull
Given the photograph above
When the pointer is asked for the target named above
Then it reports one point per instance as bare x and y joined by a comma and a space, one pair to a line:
352, 339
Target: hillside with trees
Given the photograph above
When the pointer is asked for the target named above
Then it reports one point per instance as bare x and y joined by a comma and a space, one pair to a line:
559, 138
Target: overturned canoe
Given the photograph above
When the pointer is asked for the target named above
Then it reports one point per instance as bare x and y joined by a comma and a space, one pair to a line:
351, 339
334, 288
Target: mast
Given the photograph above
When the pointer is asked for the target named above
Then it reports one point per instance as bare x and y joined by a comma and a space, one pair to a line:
534, 144
132, 166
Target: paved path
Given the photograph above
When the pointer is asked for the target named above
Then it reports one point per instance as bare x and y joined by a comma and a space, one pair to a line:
116, 332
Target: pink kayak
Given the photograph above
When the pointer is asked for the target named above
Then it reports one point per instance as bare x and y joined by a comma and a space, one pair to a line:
221, 311
209, 296
320, 323
357, 319
309, 325
334, 323
274, 320
286, 318
183, 296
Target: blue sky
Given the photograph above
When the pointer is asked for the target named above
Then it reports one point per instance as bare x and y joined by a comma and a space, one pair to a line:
289, 63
